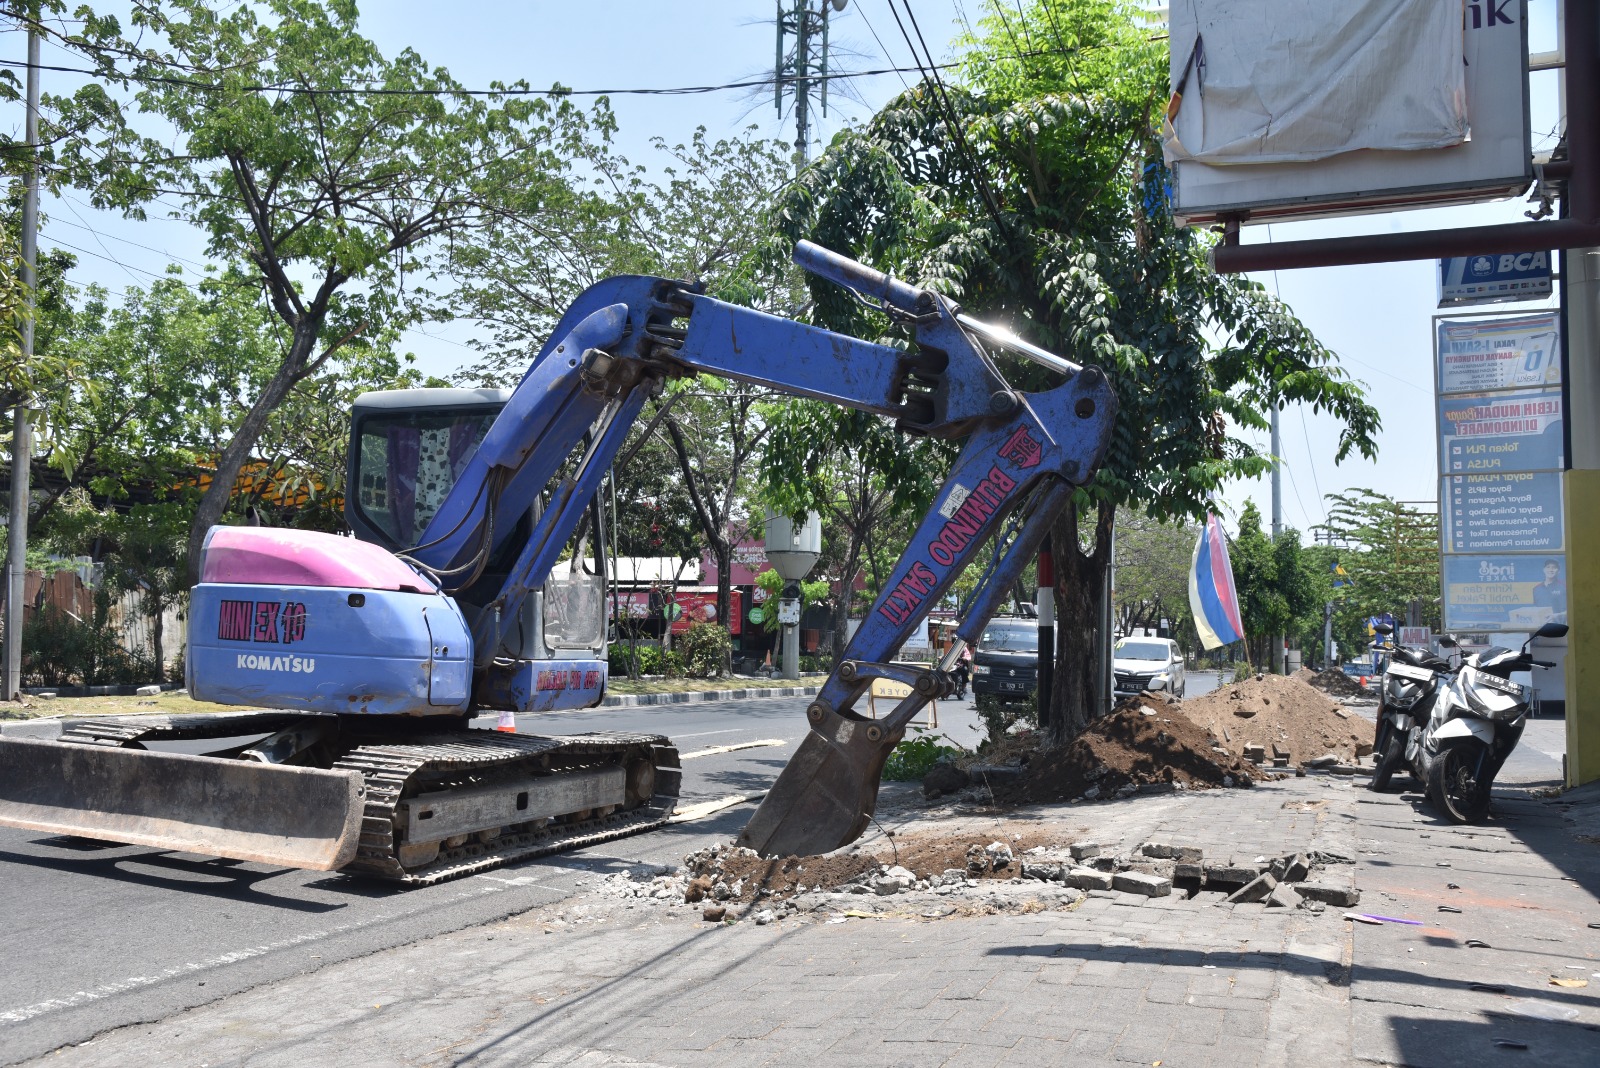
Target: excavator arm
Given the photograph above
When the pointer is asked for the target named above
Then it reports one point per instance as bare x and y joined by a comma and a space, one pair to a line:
1024, 454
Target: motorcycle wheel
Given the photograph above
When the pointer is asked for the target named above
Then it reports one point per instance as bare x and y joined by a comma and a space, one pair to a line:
1453, 786
1390, 756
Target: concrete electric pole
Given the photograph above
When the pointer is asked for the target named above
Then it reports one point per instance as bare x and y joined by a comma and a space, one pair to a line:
806, 70
1277, 523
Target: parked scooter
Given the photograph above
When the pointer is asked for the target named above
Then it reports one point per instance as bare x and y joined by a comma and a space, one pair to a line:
1474, 725
1411, 684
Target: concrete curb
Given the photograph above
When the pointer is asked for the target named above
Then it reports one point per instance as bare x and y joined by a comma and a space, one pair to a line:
627, 700
52, 727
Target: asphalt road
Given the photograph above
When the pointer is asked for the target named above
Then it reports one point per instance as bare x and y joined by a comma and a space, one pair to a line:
102, 936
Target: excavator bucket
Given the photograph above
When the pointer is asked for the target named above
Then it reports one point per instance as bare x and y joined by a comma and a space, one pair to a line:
268, 813
826, 794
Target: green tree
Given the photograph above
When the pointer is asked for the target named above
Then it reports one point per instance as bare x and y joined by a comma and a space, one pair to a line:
1152, 574
329, 200
1275, 582
1031, 190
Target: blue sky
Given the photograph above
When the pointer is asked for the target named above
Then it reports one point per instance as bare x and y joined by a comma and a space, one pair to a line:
1376, 317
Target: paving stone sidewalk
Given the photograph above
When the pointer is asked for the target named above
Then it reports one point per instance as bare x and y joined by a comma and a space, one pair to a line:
1120, 979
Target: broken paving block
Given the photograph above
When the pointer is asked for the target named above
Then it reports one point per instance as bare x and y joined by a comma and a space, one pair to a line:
1279, 752
1192, 872
1255, 753
1340, 896
147, 691
1297, 869
1257, 889
1327, 760
1167, 851
1283, 896
1087, 879
1218, 875
1137, 882
1082, 850
1036, 870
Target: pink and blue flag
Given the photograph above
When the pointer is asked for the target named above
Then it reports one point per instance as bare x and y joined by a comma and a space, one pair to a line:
1212, 597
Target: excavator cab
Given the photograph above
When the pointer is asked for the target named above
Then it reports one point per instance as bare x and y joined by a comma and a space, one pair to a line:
408, 449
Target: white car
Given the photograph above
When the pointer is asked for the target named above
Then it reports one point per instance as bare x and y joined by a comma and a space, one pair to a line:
1141, 664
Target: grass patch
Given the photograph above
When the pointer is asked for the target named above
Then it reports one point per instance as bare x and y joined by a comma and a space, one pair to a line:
168, 703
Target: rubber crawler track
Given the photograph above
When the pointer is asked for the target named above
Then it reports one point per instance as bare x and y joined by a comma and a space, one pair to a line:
392, 769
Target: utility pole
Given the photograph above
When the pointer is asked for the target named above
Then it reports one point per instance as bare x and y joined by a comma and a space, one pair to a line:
1046, 601
1277, 523
806, 69
21, 451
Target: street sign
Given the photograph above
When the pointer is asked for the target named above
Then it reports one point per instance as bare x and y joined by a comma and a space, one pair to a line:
1502, 352
1501, 432
1504, 593
1511, 512
1489, 279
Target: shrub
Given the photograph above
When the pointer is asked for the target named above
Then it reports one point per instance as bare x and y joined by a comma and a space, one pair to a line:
1000, 716
820, 662
705, 648
915, 757
60, 650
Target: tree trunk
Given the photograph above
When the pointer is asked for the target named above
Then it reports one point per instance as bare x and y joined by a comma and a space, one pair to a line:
215, 500
722, 551
1080, 587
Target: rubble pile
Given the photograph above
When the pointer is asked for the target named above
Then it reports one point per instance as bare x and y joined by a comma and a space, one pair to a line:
1336, 682
1146, 744
727, 883
1282, 720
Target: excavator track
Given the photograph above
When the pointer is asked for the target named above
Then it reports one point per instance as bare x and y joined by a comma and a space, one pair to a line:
397, 769
392, 771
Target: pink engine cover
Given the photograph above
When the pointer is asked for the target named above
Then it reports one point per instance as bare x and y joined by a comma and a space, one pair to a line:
274, 556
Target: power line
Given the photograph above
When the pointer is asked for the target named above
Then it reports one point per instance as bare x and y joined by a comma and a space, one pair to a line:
296, 90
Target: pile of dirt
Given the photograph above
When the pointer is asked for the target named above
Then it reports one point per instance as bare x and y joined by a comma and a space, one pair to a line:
732, 874
1282, 715
1337, 683
1305, 674
1146, 740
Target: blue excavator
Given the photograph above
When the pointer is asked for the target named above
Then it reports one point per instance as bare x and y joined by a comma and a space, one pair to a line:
476, 582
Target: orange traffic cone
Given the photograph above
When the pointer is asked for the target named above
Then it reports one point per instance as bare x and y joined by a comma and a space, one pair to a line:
508, 722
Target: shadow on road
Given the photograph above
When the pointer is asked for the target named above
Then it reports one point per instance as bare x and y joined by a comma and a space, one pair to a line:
218, 878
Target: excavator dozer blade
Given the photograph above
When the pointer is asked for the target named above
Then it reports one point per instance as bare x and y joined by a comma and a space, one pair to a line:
268, 813
826, 794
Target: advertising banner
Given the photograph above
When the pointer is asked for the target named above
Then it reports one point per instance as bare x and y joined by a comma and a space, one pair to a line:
1487, 279
689, 606
1504, 352
1504, 512
1501, 432
1504, 593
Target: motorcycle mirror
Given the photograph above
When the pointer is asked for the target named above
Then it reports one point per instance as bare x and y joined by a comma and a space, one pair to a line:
1446, 641
1551, 630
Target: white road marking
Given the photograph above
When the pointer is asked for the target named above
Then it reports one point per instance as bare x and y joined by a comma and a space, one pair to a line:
707, 808
715, 749
702, 734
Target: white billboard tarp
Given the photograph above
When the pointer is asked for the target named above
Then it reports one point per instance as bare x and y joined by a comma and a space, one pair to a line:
1291, 81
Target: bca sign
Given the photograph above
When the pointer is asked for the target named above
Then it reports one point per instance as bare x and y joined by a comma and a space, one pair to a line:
1488, 279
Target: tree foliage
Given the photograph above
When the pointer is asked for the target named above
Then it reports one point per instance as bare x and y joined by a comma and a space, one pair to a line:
1031, 190
331, 204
